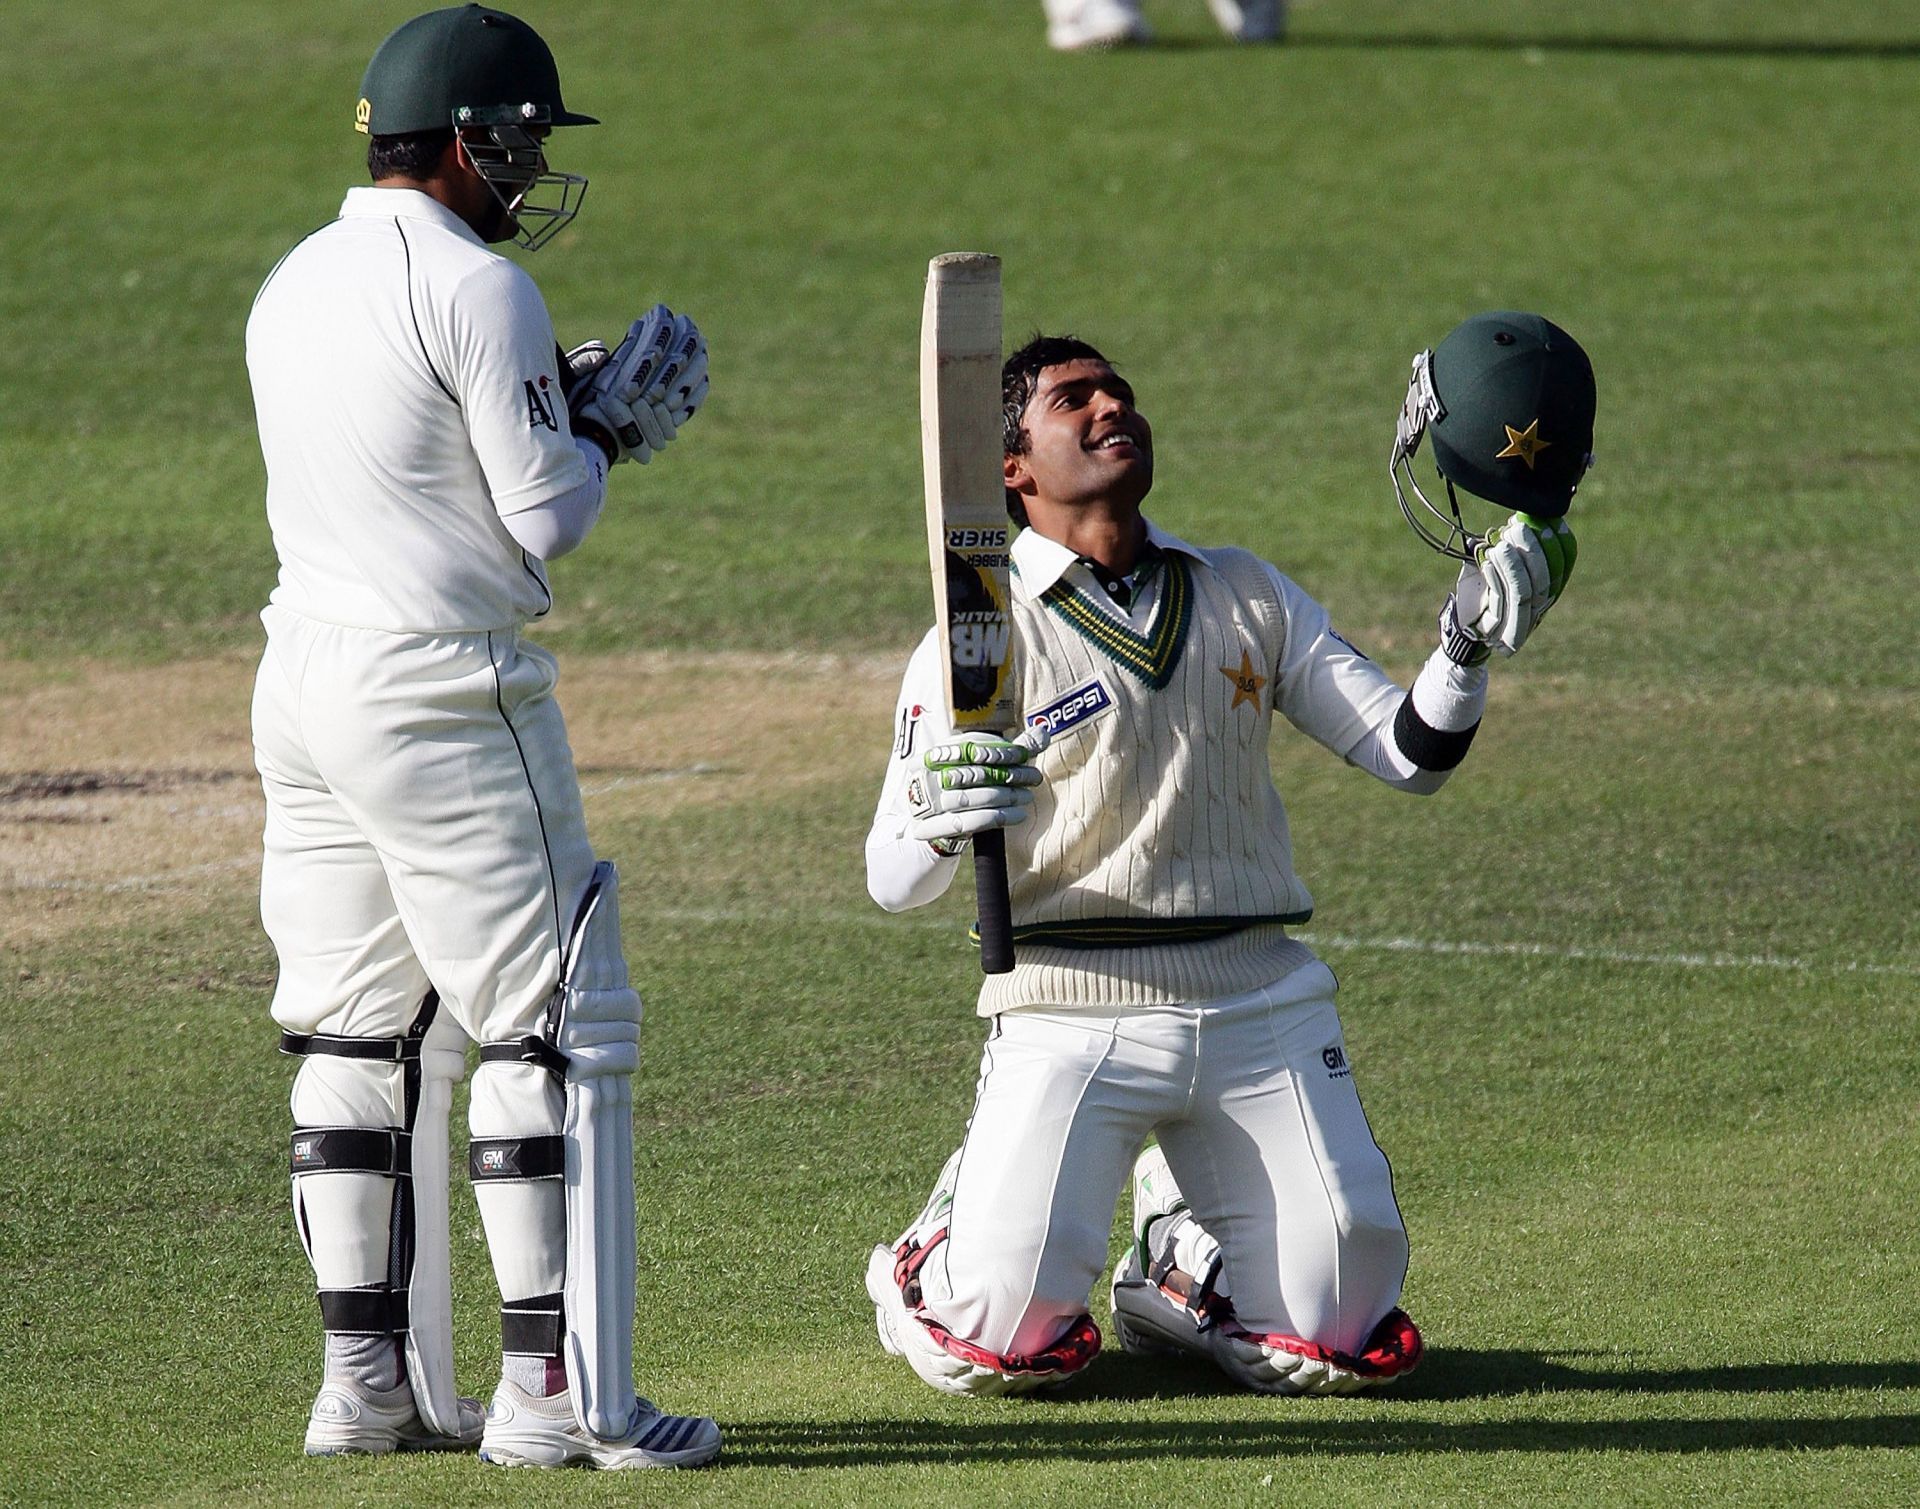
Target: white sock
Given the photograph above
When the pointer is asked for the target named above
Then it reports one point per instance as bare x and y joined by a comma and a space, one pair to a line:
373, 1362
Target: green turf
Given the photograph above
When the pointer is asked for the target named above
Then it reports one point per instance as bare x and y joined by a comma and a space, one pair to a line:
1660, 1213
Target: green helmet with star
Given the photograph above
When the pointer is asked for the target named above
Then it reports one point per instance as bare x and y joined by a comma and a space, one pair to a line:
1507, 402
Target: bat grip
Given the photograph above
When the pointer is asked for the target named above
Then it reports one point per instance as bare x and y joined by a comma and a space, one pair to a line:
990, 898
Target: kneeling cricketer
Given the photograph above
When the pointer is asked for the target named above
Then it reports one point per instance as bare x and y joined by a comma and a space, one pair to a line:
1158, 995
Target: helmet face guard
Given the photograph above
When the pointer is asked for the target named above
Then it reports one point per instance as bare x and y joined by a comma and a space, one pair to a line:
1422, 408
499, 142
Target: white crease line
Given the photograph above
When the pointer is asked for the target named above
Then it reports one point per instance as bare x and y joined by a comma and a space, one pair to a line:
135, 882
1610, 955
651, 778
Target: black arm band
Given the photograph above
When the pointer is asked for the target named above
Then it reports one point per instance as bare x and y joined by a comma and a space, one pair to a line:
1428, 747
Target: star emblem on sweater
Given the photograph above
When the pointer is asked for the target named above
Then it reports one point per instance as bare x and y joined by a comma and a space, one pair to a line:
1246, 685
1524, 445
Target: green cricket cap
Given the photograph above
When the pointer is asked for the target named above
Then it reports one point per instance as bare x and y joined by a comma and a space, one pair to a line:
464, 58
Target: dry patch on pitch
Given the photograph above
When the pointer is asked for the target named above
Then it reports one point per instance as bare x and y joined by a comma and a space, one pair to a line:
130, 790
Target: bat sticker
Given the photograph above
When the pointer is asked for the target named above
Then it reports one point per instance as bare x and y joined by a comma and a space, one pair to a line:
982, 631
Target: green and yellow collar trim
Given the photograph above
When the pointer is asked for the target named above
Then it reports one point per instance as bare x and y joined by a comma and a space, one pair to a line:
1151, 657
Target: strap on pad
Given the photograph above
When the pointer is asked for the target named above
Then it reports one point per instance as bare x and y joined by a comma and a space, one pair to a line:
375, 1311
392, 1050
526, 1050
503, 1158
533, 1327
352, 1150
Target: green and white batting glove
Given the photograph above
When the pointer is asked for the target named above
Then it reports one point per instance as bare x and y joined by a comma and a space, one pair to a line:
972, 784
1521, 570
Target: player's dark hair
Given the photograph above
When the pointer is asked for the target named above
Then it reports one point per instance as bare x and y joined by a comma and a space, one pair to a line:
1019, 376
412, 155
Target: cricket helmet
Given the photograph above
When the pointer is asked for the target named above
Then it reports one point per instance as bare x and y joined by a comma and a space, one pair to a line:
489, 76
1507, 400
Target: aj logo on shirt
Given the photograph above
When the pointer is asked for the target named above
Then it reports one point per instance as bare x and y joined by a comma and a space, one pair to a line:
909, 722
540, 406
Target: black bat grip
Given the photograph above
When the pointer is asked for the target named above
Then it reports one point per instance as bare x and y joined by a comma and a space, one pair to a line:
990, 898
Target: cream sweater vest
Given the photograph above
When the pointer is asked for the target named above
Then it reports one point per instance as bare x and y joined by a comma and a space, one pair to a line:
1158, 826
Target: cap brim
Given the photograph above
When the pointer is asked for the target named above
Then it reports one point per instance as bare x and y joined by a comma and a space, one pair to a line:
574, 118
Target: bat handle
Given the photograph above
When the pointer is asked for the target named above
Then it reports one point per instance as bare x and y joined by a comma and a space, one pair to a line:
990, 897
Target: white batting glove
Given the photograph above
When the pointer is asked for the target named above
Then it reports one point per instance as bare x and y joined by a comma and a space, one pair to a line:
973, 784
1521, 571
629, 396
690, 390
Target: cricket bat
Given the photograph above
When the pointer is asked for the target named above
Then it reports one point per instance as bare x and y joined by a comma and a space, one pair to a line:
969, 536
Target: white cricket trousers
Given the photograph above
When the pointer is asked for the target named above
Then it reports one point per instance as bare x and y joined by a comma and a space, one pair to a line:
423, 827
1254, 1104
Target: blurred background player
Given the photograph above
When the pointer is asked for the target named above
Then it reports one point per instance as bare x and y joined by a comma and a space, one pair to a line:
1156, 989
1089, 25
427, 876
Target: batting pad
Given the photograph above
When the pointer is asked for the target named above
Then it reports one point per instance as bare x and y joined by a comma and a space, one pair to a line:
443, 1062
599, 1032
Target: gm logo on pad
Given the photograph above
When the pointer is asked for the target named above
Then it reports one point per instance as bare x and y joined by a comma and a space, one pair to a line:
1081, 705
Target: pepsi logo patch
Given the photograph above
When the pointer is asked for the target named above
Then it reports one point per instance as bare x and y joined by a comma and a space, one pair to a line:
1070, 709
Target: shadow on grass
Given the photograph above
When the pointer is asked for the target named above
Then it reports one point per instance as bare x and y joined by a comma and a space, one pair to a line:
1453, 1374
1701, 47
854, 1443
1051, 1427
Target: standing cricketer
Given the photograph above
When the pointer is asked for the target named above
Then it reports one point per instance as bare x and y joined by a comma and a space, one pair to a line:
1157, 990
427, 876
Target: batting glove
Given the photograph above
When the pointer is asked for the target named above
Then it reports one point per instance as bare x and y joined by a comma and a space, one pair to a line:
1519, 573
971, 785
650, 385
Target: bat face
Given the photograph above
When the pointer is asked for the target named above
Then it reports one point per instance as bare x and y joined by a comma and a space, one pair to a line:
968, 533
979, 624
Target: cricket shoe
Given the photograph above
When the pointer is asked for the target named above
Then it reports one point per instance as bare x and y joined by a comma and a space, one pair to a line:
885, 1294
1251, 20
1095, 25
1145, 1322
351, 1420
527, 1430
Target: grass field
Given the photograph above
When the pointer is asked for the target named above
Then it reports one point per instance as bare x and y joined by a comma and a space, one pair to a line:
1633, 1004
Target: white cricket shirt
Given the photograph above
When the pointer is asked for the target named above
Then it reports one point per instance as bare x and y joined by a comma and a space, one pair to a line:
406, 383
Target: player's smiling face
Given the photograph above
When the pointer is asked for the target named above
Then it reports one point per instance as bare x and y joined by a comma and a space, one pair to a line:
1085, 438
